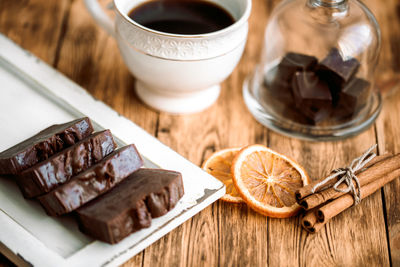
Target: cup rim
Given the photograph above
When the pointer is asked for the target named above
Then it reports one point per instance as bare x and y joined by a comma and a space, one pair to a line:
243, 19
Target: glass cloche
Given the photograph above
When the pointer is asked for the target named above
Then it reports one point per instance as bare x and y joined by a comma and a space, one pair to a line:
316, 75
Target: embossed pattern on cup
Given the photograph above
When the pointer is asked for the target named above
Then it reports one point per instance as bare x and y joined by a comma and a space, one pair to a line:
180, 48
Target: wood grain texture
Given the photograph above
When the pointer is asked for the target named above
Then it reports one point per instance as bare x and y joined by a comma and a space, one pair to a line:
388, 124
35, 26
64, 35
216, 236
388, 128
338, 243
388, 69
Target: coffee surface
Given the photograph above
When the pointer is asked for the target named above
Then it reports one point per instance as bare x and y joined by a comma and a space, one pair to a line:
181, 16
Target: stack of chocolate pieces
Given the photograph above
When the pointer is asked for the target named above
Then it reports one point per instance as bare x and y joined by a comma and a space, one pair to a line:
318, 90
67, 167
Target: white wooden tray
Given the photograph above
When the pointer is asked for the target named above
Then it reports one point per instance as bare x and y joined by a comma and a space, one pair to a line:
33, 96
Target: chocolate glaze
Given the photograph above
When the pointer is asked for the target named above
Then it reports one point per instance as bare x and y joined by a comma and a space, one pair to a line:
43, 145
59, 168
130, 206
93, 182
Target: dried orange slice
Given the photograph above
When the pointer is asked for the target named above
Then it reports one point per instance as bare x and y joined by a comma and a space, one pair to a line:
267, 181
219, 166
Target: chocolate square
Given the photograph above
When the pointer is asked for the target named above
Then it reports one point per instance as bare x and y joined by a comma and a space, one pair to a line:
312, 96
352, 98
277, 87
293, 62
278, 80
337, 71
343, 68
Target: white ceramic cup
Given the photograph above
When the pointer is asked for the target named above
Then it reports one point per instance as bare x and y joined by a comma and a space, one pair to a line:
177, 73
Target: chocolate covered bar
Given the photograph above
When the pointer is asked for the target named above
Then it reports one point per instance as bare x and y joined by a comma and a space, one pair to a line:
59, 168
312, 96
93, 182
43, 145
145, 194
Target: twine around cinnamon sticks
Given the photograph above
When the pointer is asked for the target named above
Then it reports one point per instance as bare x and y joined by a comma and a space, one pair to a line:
322, 201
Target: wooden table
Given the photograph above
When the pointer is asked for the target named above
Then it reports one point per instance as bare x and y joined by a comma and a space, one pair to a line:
63, 34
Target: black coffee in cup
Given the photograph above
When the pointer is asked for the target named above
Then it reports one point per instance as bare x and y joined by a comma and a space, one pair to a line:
181, 16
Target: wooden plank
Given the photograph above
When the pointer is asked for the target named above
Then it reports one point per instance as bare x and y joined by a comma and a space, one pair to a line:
388, 69
361, 228
36, 25
223, 234
388, 130
388, 124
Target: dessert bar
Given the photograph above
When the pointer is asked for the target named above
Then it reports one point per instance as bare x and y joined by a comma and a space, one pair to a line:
59, 168
43, 145
93, 182
145, 194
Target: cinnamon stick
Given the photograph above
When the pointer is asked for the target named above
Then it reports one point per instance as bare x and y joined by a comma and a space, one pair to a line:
315, 219
330, 210
309, 220
307, 190
372, 173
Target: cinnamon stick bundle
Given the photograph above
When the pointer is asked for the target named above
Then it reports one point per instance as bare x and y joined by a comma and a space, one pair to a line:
327, 203
382, 167
307, 190
314, 220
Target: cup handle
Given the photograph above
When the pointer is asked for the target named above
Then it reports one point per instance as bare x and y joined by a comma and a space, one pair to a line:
100, 17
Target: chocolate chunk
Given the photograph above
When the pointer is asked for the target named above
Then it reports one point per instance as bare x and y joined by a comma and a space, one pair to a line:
278, 80
43, 145
312, 96
129, 206
337, 71
293, 62
59, 168
277, 87
93, 182
343, 68
352, 98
